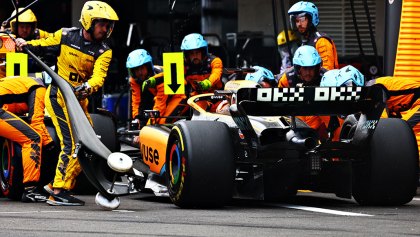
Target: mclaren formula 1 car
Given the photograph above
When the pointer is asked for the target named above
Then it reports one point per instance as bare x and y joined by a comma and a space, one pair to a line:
260, 150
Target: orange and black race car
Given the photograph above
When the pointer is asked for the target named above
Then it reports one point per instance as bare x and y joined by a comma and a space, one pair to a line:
256, 148
252, 146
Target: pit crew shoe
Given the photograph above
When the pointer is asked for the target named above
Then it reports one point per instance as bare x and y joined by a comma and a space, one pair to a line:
64, 198
33, 194
49, 188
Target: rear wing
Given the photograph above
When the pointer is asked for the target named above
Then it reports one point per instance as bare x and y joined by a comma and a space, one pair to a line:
303, 101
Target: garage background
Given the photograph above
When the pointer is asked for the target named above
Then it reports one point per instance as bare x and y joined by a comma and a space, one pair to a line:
243, 33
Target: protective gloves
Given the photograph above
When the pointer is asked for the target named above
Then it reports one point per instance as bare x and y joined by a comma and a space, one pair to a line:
204, 85
149, 83
82, 91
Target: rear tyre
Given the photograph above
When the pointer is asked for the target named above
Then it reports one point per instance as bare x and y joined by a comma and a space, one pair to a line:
199, 164
389, 175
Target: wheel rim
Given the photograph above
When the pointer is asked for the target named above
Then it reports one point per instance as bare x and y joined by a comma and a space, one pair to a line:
175, 163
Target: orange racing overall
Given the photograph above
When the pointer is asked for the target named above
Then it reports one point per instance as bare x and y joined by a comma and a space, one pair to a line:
326, 49
211, 68
167, 105
29, 92
319, 123
403, 101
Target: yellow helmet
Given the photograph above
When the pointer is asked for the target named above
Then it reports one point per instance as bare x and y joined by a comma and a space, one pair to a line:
281, 38
93, 10
26, 17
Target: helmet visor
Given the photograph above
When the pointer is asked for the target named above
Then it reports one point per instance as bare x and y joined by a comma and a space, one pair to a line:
105, 23
297, 18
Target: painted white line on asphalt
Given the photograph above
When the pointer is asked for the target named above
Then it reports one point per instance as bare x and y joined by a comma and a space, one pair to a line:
322, 210
123, 211
27, 212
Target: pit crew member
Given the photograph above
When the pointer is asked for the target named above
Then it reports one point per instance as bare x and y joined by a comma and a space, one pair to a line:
203, 71
304, 19
31, 135
82, 60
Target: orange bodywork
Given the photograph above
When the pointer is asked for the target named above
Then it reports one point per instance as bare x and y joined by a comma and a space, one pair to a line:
153, 142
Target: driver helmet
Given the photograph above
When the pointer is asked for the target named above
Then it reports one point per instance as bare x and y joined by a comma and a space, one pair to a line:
261, 75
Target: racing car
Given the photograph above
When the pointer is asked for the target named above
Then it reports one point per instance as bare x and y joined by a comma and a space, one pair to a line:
261, 150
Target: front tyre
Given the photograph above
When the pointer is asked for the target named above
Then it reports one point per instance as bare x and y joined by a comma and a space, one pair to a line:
199, 164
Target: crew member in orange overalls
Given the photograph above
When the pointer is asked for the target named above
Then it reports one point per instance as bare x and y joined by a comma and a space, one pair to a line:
403, 101
307, 71
203, 71
32, 136
304, 19
144, 75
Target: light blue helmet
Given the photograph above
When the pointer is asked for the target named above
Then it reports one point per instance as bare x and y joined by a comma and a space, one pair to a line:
194, 41
330, 78
137, 58
304, 7
350, 74
306, 56
261, 74
346, 76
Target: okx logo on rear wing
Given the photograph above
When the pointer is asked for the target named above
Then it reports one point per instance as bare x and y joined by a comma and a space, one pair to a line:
302, 101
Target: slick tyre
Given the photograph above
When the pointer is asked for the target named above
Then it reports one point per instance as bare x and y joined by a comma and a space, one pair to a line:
389, 175
11, 176
199, 164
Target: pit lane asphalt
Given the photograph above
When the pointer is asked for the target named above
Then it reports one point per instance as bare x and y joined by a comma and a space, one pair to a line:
146, 215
